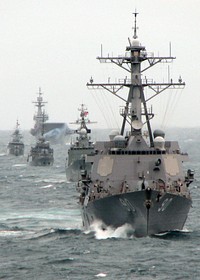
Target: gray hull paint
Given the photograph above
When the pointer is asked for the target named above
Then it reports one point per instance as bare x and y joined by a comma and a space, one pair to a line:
73, 171
16, 149
42, 161
137, 177
76, 163
170, 213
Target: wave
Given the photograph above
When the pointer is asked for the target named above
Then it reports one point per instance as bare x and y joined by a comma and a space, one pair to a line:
11, 231
2, 155
46, 187
20, 165
102, 232
101, 275
56, 233
61, 261
51, 181
175, 234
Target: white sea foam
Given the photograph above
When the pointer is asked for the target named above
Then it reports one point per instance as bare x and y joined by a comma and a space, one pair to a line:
185, 230
46, 187
101, 275
53, 180
102, 232
10, 233
20, 165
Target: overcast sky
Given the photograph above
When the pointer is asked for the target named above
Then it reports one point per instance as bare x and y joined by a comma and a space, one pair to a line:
53, 44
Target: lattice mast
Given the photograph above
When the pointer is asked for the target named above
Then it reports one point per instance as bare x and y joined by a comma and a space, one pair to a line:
136, 104
40, 115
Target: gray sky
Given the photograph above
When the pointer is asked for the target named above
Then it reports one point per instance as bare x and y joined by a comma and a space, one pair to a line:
53, 44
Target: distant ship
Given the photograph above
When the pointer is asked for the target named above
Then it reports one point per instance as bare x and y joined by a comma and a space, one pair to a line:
53, 132
82, 147
41, 154
16, 145
137, 178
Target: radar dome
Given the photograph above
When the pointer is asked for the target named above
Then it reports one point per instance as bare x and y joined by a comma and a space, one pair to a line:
137, 125
113, 133
119, 138
83, 131
119, 141
158, 132
159, 143
135, 43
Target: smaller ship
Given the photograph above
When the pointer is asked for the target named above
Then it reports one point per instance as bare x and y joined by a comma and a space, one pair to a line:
82, 147
42, 153
16, 145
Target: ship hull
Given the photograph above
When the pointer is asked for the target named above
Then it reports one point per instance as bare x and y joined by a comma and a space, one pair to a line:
41, 161
76, 163
74, 170
167, 214
16, 149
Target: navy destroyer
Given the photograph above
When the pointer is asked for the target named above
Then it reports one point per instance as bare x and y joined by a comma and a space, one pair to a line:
53, 132
41, 154
16, 145
137, 178
75, 163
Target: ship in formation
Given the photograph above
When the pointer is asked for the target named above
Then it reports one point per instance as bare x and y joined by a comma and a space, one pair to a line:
83, 146
137, 178
41, 154
16, 145
54, 132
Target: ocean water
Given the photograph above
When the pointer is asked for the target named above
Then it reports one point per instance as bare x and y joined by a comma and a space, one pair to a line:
41, 235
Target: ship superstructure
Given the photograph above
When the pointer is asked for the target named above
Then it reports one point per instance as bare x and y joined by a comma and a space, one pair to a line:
39, 117
41, 154
16, 145
83, 146
134, 181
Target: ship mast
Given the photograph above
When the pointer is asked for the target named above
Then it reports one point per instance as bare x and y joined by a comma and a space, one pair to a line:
83, 120
136, 104
40, 116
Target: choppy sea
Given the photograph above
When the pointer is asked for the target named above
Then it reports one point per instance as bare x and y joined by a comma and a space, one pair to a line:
41, 235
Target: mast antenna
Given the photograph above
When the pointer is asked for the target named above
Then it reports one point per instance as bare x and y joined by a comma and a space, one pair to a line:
170, 49
135, 26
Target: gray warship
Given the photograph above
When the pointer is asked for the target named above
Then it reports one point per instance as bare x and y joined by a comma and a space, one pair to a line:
137, 178
16, 145
41, 154
75, 163
53, 131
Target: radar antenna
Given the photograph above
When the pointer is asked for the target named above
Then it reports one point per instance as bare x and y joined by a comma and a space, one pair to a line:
135, 26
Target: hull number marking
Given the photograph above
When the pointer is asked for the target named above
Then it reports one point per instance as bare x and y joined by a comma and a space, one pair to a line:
164, 205
127, 204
